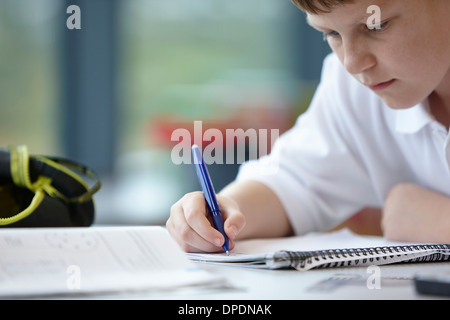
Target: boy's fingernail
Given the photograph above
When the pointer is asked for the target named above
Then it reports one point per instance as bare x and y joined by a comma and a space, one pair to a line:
217, 242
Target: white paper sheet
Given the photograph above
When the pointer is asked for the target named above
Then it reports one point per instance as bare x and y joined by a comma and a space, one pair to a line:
98, 259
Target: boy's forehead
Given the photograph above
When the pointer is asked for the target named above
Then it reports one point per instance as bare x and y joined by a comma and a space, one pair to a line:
348, 12
319, 6
327, 6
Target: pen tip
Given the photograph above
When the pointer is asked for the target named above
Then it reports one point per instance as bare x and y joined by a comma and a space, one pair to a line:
227, 253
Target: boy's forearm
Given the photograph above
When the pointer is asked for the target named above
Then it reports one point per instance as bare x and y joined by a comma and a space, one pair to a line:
413, 213
264, 213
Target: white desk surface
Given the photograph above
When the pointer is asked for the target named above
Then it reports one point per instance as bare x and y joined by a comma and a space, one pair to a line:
348, 284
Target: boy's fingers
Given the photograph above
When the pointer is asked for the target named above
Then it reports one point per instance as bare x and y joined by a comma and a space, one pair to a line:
189, 226
187, 238
234, 219
196, 215
234, 223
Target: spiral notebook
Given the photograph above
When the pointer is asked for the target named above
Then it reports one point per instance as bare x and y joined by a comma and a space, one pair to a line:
331, 250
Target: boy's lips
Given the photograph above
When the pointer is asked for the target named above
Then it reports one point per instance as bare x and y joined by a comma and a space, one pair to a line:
381, 85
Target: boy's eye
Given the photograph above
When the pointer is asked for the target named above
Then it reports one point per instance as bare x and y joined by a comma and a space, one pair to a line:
371, 28
331, 34
379, 27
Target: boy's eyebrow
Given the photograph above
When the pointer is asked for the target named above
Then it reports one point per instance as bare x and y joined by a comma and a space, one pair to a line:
308, 21
320, 28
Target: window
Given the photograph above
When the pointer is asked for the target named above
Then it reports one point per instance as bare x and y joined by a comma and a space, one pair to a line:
178, 55
221, 62
110, 94
29, 74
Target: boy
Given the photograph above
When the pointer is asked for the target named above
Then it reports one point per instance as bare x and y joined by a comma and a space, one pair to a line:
375, 135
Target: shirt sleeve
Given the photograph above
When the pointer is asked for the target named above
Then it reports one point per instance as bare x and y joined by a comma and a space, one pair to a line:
318, 176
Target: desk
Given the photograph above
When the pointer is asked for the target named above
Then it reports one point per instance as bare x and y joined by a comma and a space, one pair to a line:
345, 283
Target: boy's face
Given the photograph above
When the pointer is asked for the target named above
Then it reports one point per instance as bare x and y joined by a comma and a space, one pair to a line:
405, 60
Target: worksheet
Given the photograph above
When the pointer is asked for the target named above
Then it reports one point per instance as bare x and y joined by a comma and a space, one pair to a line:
41, 262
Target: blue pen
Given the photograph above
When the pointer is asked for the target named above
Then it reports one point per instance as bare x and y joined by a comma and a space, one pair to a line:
208, 192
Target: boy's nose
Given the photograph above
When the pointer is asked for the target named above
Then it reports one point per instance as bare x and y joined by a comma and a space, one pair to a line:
357, 58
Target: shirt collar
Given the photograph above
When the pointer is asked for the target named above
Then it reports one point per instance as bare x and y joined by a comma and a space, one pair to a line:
413, 119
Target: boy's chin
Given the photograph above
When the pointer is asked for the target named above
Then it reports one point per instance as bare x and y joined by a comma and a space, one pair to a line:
399, 104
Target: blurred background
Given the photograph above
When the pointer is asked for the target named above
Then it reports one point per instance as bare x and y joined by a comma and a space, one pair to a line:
110, 94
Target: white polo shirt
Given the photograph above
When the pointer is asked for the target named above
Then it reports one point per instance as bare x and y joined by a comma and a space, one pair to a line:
348, 150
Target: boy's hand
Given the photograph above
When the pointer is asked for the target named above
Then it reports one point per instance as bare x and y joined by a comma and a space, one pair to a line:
191, 226
415, 214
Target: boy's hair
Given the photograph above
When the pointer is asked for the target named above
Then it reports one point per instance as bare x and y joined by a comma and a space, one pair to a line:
319, 6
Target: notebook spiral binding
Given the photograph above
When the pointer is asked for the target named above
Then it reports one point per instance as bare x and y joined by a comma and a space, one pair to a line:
305, 260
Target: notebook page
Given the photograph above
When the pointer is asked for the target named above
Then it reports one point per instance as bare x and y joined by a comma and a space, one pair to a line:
340, 239
86, 260
253, 252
